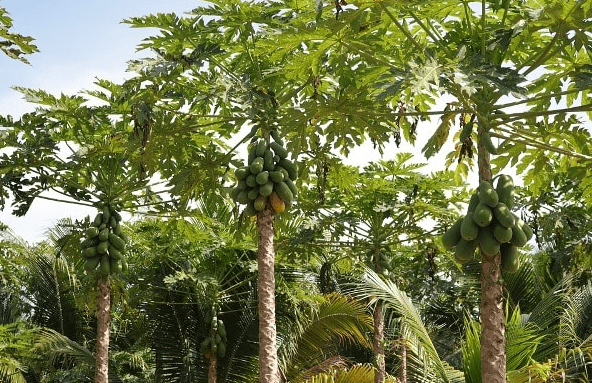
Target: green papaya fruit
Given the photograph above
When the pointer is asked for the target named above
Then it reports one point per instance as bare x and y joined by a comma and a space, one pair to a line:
465, 250
518, 236
482, 215
505, 190
468, 228
451, 236
487, 242
105, 266
503, 215
267, 189
510, 258
501, 233
242, 172
487, 143
257, 166
260, 148
262, 177
91, 263
487, 194
473, 202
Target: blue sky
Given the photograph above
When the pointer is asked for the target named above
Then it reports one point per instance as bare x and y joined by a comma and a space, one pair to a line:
79, 40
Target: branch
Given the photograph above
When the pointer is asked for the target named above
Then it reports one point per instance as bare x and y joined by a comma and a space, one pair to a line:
543, 146
521, 115
405, 32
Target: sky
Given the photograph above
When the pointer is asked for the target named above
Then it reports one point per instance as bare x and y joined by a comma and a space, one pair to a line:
80, 41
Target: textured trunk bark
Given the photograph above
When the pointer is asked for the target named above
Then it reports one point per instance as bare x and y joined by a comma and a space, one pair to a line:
103, 332
493, 341
378, 344
268, 365
213, 371
403, 367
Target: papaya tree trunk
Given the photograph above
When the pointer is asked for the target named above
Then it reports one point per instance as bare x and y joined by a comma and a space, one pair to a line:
213, 370
103, 332
403, 365
268, 364
378, 344
493, 341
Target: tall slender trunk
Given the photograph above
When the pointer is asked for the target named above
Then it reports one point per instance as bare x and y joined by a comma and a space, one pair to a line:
268, 364
103, 331
213, 372
378, 344
403, 365
493, 341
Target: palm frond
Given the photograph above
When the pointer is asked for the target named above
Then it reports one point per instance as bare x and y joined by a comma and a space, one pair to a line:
58, 348
360, 373
374, 289
339, 320
11, 370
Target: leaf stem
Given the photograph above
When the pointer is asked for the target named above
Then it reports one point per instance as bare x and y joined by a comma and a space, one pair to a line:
405, 31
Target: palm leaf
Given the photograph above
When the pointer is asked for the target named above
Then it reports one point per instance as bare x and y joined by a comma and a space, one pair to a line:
361, 373
375, 289
338, 321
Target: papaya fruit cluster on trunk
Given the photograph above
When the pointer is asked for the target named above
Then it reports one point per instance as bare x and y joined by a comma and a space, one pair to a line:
490, 225
216, 340
104, 246
268, 177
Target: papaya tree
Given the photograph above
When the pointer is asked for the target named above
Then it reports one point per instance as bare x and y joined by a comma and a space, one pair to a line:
68, 152
377, 218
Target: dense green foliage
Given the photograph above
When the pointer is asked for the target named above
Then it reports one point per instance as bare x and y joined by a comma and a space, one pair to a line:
166, 147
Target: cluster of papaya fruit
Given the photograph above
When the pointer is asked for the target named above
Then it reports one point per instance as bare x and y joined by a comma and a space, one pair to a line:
268, 175
105, 242
216, 341
490, 225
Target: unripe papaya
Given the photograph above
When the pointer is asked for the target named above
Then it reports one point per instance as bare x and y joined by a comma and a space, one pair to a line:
465, 250
489, 245
451, 236
92, 263
283, 191
259, 203
242, 172
104, 265
518, 236
253, 193
487, 143
290, 167
473, 202
501, 233
527, 230
503, 215
505, 190
279, 150
468, 228
260, 148
510, 258
89, 252
92, 232
117, 242
262, 177
257, 166
265, 190
268, 163
482, 215
487, 194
